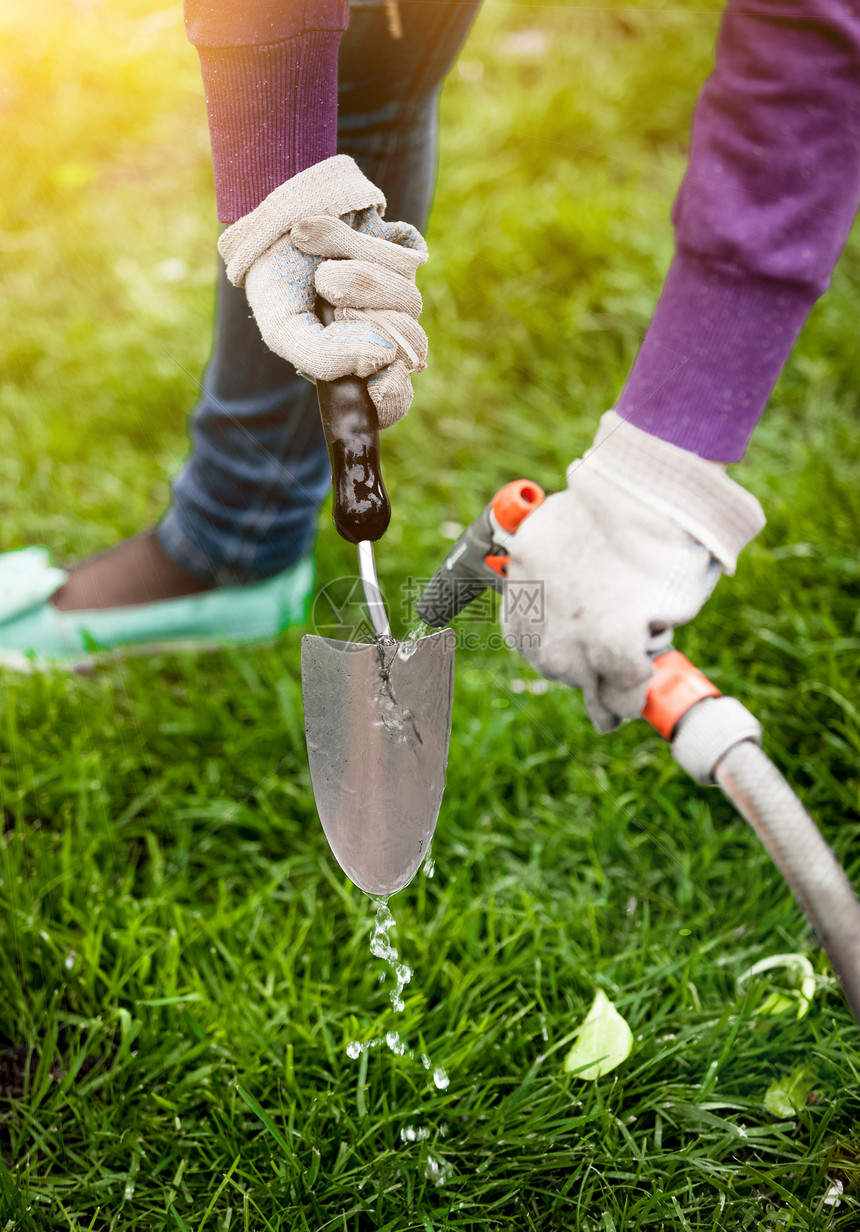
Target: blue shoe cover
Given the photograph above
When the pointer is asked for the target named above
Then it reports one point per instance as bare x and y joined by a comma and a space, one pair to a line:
33, 632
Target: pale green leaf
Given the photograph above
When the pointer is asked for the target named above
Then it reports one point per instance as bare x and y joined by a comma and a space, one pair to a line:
787, 1095
800, 983
604, 1040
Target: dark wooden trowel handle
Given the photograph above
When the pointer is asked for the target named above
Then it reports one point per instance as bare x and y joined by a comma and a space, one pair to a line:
361, 506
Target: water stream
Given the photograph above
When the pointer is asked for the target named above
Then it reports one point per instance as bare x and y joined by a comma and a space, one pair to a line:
437, 1170
381, 946
409, 645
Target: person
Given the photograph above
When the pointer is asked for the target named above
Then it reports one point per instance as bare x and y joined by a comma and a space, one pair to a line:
323, 127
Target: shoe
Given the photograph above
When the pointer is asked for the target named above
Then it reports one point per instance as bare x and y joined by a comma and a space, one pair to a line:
33, 633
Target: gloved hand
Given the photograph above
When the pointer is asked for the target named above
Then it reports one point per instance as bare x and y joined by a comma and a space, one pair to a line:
602, 572
322, 232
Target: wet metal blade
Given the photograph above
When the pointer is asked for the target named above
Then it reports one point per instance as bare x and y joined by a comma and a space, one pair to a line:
378, 725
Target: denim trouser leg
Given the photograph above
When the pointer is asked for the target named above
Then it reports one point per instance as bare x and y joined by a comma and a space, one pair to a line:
245, 502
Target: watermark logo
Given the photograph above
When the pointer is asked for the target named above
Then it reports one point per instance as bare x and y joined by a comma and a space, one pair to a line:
523, 600
340, 612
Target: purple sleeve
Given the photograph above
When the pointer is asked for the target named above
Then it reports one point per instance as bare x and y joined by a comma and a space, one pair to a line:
771, 189
270, 78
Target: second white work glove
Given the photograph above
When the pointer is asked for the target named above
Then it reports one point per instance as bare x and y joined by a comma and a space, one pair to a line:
322, 232
602, 572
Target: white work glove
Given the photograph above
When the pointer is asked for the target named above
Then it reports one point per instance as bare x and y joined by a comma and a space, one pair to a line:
602, 572
322, 233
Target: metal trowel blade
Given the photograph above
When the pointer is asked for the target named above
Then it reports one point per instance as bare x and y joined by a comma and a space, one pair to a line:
378, 726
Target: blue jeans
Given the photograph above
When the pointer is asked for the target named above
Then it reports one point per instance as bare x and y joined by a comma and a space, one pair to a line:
245, 504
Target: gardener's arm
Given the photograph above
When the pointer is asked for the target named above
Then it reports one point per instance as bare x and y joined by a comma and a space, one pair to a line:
305, 222
770, 193
270, 77
635, 544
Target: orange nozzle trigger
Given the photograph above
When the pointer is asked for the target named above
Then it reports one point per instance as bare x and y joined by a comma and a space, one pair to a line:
513, 503
499, 564
675, 686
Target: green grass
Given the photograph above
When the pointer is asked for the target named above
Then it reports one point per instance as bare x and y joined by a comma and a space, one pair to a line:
183, 962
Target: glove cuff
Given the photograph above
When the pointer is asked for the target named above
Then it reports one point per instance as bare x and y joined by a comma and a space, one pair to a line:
701, 498
334, 187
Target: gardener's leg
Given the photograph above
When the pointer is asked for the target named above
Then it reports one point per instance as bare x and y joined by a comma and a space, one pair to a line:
245, 503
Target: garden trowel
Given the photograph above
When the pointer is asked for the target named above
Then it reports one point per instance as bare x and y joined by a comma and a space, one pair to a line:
377, 714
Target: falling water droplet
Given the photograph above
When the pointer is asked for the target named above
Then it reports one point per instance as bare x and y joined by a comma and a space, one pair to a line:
438, 1170
381, 945
440, 1078
404, 974
353, 1050
395, 1043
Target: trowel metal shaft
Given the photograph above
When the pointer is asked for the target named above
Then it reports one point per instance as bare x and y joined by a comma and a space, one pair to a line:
372, 593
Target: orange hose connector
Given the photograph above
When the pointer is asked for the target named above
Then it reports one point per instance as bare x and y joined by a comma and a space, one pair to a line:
675, 686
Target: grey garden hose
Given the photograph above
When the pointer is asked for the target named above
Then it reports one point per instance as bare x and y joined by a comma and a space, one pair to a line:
800, 852
705, 746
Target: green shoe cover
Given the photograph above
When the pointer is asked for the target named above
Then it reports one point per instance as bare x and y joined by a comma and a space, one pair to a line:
36, 632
